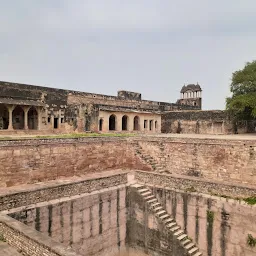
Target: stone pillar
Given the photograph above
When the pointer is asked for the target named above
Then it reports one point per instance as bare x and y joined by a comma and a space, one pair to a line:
39, 118
153, 126
141, 123
26, 109
52, 120
118, 122
10, 110
130, 123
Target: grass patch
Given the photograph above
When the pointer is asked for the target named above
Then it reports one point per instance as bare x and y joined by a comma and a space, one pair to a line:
251, 241
191, 189
2, 239
210, 216
250, 200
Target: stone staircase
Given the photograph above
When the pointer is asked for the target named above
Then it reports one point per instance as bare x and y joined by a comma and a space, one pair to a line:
157, 167
169, 223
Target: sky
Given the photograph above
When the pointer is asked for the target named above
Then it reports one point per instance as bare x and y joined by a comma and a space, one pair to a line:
149, 46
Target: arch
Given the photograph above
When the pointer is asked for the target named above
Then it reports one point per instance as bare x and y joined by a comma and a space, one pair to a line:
112, 123
151, 125
18, 118
136, 123
125, 123
100, 124
32, 119
4, 117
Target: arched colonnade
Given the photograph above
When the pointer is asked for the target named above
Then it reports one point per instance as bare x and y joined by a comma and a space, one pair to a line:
18, 117
126, 122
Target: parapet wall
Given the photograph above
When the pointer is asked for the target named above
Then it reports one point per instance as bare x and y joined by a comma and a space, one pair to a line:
211, 159
29, 241
91, 223
46, 192
197, 122
101, 216
219, 226
31, 161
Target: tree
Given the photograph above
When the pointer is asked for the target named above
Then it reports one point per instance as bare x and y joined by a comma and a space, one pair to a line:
243, 88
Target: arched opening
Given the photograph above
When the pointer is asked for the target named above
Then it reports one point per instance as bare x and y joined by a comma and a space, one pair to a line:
156, 126
124, 123
151, 125
32, 118
136, 123
100, 124
4, 117
179, 129
112, 122
18, 118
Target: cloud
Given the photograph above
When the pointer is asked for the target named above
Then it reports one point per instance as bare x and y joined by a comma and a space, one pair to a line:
146, 45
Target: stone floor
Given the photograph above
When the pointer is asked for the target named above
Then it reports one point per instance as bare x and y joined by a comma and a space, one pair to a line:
7, 250
247, 136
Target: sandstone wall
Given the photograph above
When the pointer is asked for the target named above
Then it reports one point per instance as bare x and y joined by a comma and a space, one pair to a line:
33, 194
30, 242
197, 122
194, 184
91, 224
217, 160
219, 226
30, 161
145, 233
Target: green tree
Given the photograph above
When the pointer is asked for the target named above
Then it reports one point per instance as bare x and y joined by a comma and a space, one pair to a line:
243, 87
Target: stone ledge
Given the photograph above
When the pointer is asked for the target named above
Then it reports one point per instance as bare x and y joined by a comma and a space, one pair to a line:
30, 241
51, 192
204, 186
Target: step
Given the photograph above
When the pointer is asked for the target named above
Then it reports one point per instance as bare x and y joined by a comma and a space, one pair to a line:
160, 213
149, 197
193, 251
146, 193
143, 190
152, 201
137, 186
168, 221
158, 208
155, 204
180, 238
178, 233
185, 242
164, 216
175, 228
198, 254
171, 225
189, 246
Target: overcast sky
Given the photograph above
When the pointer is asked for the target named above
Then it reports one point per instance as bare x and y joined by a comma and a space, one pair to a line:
150, 46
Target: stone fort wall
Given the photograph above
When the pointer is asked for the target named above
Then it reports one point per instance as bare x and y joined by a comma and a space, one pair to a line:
31, 161
204, 122
92, 224
197, 122
212, 159
219, 226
